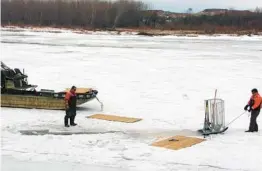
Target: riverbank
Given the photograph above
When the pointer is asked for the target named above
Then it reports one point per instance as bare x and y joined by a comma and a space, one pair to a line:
137, 31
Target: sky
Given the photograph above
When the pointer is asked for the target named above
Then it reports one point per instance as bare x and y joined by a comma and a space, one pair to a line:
199, 5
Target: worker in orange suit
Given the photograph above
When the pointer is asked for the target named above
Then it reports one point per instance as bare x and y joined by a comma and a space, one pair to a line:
254, 105
70, 107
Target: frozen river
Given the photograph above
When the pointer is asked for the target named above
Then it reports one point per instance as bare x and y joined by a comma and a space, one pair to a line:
163, 80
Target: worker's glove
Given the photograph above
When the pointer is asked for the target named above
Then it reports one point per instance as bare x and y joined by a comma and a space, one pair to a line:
245, 108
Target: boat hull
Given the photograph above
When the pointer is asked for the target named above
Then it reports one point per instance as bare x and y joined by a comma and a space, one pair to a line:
36, 102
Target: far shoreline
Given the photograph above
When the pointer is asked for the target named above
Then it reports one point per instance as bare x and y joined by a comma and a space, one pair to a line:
136, 31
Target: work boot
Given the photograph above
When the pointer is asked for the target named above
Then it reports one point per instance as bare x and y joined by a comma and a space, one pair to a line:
249, 131
72, 121
66, 122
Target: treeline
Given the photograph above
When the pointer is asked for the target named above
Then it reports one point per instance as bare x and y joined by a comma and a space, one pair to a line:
117, 13
82, 13
227, 21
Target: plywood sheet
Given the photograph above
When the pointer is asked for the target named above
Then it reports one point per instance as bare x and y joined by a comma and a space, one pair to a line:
178, 142
80, 90
114, 118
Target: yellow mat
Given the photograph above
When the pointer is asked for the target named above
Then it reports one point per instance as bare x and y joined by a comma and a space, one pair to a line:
177, 142
114, 118
79, 90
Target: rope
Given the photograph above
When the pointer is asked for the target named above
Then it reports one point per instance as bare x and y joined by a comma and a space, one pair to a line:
236, 118
102, 105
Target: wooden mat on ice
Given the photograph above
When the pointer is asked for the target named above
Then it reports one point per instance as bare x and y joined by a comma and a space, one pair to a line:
79, 90
114, 118
177, 142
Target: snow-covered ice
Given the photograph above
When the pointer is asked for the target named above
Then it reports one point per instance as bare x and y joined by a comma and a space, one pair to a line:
164, 80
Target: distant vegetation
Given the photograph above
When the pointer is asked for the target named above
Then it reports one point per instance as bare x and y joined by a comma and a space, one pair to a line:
102, 14
82, 13
220, 22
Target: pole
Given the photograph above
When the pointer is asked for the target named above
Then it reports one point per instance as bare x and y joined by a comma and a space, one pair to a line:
213, 112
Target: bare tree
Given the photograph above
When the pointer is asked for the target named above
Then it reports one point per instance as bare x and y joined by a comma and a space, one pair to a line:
258, 10
189, 10
120, 7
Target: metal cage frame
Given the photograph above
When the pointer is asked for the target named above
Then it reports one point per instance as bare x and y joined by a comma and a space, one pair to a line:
214, 115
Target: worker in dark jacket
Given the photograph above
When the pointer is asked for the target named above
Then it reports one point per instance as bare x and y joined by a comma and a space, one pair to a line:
70, 106
254, 105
